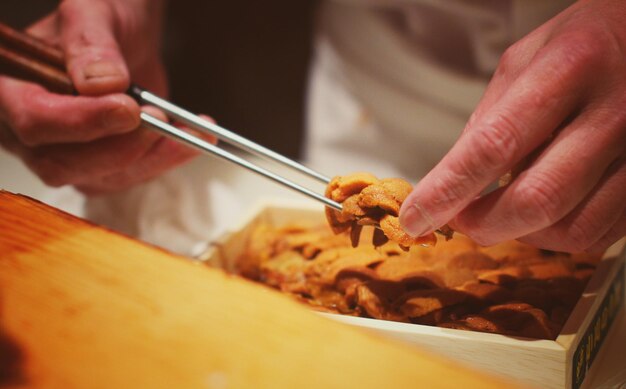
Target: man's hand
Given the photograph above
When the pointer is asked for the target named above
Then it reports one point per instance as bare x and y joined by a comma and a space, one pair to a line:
556, 105
92, 141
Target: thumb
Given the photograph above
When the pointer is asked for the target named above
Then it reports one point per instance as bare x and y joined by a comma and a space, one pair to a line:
93, 57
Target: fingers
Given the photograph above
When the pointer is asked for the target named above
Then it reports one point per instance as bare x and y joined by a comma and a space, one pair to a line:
87, 140
164, 155
39, 117
512, 63
73, 164
499, 136
94, 60
46, 29
558, 180
596, 217
85, 30
105, 165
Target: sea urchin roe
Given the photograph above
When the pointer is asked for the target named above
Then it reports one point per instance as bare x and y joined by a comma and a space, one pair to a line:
367, 200
513, 289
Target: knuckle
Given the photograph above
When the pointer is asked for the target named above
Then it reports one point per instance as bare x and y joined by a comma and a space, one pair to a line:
537, 201
450, 192
508, 64
498, 143
579, 52
462, 176
507, 59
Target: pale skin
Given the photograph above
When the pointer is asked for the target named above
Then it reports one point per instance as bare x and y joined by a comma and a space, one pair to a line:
93, 141
555, 104
556, 100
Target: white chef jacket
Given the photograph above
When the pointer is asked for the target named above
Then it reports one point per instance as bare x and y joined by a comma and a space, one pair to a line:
391, 87
394, 81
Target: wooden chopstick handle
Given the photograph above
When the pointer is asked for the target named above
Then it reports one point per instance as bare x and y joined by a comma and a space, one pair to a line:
33, 59
31, 70
29, 44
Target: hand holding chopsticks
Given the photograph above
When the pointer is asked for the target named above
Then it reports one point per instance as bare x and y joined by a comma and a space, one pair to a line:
38, 61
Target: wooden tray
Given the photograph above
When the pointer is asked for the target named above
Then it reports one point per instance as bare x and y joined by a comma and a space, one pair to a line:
562, 363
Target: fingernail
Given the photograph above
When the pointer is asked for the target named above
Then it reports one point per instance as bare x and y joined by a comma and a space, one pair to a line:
415, 221
120, 118
102, 69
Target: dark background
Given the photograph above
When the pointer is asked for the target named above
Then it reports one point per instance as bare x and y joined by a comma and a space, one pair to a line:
243, 62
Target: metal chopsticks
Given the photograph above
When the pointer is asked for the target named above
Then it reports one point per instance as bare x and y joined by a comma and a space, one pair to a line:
35, 59
200, 144
198, 123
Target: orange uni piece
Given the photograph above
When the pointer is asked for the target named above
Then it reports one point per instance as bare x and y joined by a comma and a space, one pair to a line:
367, 200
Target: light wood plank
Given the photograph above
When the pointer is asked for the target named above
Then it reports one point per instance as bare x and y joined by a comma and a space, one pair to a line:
82, 307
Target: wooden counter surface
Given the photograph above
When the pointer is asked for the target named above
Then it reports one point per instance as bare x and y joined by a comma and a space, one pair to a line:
84, 307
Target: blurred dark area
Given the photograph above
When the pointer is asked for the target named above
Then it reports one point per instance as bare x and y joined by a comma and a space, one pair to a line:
243, 62
11, 362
